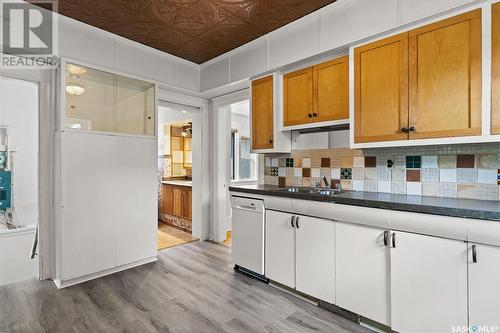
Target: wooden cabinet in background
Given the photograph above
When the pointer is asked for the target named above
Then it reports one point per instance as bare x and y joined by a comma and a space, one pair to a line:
317, 93
298, 97
445, 78
495, 68
381, 90
263, 113
331, 90
425, 83
176, 200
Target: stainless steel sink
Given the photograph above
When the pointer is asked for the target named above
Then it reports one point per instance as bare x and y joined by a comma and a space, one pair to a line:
306, 190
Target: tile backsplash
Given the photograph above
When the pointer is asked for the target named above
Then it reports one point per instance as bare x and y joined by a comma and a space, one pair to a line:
469, 171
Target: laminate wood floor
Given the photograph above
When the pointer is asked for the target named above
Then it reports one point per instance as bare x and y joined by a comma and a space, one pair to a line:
168, 236
191, 288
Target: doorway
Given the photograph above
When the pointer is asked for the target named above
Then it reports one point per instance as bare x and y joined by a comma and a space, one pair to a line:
19, 155
175, 174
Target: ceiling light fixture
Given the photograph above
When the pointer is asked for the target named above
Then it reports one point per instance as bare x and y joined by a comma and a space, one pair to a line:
75, 88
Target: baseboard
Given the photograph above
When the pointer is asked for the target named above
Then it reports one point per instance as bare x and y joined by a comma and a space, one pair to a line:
60, 284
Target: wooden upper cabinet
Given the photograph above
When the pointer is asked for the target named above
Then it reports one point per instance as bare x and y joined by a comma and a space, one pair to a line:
381, 90
331, 90
298, 97
262, 113
495, 68
445, 78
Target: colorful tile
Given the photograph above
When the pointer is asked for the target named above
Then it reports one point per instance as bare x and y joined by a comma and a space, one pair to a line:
306, 181
274, 171
398, 175
345, 173
267, 171
486, 176
371, 173
370, 185
289, 162
448, 190
467, 176
346, 184
282, 162
466, 191
384, 186
267, 162
429, 189
498, 177
282, 172
306, 172
281, 181
487, 161
414, 188
383, 173
447, 161
325, 162
358, 185
335, 173
398, 187
486, 192
358, 162
274, 162
346, 162
413, 162
466, 161
306, 162
358, 173
315, 173
413, 175
430, 162
370, 162
447, 175
429, 175
297, 172
335, 183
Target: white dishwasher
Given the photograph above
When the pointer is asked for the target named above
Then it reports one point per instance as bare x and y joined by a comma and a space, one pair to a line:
247, 244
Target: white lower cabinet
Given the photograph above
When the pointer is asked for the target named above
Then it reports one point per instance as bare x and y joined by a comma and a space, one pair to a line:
428, 283
315, 257
484, 285
300, 253
363, 271
280, 248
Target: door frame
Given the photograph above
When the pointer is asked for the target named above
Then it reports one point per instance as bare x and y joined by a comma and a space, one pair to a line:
201, 157
45, 79
221, 162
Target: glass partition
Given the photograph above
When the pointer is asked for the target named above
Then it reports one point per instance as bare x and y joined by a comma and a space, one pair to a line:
102, 101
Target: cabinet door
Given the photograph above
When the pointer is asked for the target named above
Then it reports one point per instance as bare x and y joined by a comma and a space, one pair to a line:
445, 78
484, 287
186, 203
167, 202
331, 90
280, 248
262, 113
381, 90
495, 68
298, 97
177, 201
363, 271
428, 283
315, 258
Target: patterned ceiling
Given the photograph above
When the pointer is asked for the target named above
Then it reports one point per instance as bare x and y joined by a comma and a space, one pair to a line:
196, 30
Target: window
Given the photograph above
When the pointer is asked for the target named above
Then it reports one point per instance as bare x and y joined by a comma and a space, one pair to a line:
244, 164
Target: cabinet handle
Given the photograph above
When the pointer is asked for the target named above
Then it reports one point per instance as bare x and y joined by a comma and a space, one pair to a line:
474, 254
413, 129
386, 238
297, 222
405, 130
394, 240
270, 140
315, 115
292, 221
310, 115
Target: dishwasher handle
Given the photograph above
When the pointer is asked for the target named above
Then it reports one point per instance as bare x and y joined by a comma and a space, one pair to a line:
247, 208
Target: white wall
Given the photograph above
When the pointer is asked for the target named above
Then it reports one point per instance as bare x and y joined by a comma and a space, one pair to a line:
328, 30
19, 110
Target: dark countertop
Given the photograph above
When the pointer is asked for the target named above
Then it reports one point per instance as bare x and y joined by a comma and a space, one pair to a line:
466, 208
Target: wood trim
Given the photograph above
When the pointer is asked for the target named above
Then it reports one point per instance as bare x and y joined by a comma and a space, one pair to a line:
267, 145
475, 100
315, 69
400, 38
286, 77
495, 68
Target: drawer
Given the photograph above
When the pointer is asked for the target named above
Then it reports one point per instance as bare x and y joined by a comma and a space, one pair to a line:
484, 232
427, 224
313, 208
278, 203
361, 215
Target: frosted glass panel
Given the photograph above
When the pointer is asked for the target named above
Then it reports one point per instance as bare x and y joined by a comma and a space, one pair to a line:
101, 101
